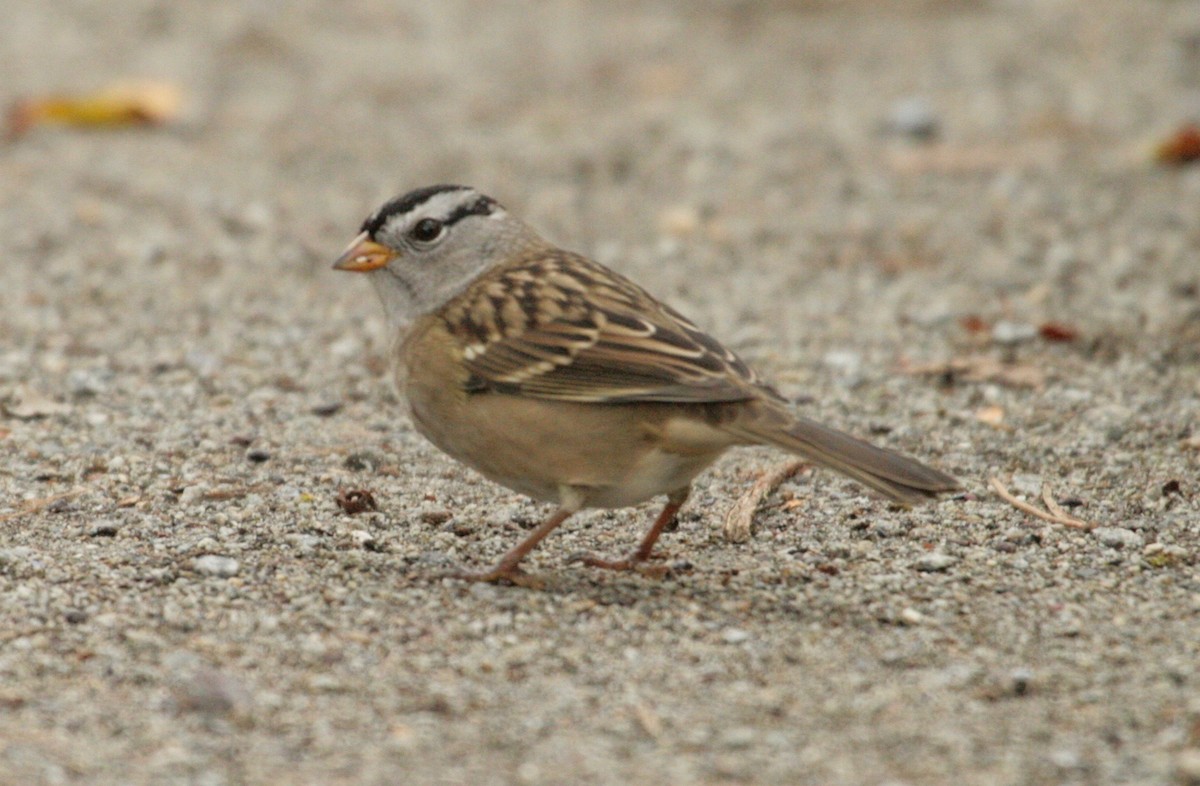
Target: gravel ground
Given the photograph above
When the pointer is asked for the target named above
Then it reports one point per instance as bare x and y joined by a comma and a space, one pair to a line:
187, 388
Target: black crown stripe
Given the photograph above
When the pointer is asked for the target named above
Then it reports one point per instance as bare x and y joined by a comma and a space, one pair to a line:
413, 199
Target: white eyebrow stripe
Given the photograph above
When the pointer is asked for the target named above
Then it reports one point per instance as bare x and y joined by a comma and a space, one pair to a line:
442, 205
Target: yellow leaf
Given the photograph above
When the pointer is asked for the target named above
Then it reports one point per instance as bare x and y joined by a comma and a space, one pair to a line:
122, 104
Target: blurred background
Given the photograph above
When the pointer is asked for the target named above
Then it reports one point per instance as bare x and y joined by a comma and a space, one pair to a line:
765, 141
969, 229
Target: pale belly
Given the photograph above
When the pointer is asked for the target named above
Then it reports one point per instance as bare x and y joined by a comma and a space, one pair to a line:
608, 456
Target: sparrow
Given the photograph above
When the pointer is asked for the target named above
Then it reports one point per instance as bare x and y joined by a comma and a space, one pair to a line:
563, 380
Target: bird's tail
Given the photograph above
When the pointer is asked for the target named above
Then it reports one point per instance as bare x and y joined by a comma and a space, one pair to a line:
898, 477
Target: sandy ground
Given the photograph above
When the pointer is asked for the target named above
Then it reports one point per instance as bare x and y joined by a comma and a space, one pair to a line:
187, 387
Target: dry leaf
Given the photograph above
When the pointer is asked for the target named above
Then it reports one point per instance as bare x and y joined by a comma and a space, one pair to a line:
356, 501
981, 368
1057, 331
124, 104
973, 323
30, 405
1181, 147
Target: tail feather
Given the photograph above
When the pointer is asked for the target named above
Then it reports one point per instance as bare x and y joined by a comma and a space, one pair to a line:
896, 476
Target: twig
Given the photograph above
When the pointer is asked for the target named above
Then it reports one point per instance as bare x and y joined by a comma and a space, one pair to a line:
648, 719
232, 492
740, 518
34, 505
1053, 506
1056, 516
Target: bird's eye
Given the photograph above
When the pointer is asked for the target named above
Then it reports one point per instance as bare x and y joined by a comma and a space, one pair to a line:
426, 230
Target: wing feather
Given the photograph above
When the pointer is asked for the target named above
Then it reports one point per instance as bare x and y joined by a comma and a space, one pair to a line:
556, 325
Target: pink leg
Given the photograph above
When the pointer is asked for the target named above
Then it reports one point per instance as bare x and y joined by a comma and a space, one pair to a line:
508, 569
635, 560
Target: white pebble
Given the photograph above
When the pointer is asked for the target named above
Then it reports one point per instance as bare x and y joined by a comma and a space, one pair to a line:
216, 565
935, 562
1118, 537
1009, 333
734, 636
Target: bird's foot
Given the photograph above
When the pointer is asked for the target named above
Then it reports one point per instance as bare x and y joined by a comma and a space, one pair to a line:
500, 574
633, 562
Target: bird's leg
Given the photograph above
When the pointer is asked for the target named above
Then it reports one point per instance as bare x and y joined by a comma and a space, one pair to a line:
508, 569
636, 558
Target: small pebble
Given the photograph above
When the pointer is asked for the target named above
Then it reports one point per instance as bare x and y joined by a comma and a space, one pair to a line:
303, 542
203, 364
1021, 536
216, 565
1012, 333
1118, 537
734, 636
435, 516
913, 117
1027, 483
96, 418
16, 559
362, 462
935, 562
257, 455
84, 382
846, 365
1066, 759
104, 529
888, 529
1021, 680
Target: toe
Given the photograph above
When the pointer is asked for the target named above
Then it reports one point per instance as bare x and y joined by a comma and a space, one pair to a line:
514, 576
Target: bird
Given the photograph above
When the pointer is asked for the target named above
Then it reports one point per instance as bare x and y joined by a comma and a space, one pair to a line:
561, 379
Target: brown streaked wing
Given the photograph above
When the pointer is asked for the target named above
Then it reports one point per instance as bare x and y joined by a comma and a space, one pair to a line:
559, 326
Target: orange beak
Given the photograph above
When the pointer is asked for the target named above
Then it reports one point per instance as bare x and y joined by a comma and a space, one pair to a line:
364, 255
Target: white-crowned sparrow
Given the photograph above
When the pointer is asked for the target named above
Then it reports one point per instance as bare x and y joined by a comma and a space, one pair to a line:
561, 379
